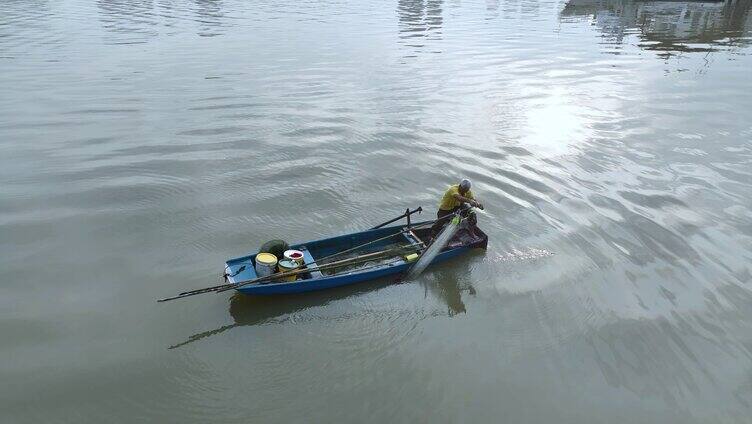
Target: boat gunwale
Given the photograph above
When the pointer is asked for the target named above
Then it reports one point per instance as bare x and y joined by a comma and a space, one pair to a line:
313, 242
353, 277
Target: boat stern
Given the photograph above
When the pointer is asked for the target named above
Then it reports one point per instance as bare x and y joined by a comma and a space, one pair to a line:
240, 269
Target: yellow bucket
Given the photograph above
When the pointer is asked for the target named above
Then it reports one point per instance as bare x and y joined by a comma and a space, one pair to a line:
266, 264
288, 265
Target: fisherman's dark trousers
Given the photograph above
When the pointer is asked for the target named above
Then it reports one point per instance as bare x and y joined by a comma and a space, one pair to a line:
438, 225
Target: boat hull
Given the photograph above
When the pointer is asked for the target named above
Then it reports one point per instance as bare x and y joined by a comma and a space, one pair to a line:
323, 282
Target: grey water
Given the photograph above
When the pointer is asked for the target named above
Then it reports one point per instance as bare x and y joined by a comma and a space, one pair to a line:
143, 142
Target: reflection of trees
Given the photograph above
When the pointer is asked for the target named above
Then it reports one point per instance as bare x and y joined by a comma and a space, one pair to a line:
492, 6
669, 25
134, 21
30, 15
420, 18
209, 14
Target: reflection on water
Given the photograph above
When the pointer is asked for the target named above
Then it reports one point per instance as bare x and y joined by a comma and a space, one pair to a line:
258, 310
143, 142
668, 26
133, 20
248, 310
209, 16
418, 20
138, 21
449, 286
447, 283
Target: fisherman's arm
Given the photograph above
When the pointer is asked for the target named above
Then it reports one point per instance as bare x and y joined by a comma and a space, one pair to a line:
463, 199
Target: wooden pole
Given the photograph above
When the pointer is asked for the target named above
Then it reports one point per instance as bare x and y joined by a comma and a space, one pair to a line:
230, 286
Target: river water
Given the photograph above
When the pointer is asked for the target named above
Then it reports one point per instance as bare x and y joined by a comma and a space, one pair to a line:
143, 142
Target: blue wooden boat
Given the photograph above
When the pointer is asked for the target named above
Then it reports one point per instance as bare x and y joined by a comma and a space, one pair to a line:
386, 239
349, 259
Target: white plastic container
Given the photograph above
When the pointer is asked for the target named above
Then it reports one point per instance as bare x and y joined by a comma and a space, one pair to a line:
294, 255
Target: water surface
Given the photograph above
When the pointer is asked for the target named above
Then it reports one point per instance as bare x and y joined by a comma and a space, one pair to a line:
143, 142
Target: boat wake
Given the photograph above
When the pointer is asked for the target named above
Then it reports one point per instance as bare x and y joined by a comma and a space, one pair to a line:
515, 255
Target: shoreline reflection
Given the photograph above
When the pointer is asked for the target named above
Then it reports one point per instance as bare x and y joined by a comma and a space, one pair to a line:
669, 26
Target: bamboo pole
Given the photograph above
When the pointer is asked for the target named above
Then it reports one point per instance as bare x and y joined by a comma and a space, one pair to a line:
269, 278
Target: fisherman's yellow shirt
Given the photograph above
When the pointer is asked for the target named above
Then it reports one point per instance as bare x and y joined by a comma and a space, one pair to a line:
448, 202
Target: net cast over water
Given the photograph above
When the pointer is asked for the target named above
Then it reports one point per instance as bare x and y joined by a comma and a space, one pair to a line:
434, 249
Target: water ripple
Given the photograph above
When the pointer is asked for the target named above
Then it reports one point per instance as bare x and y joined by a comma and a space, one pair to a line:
144, 142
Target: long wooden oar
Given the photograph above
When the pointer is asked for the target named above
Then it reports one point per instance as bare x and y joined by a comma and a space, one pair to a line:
360, 246
407, 214
230, 286
268, 278
330, 265
350, 261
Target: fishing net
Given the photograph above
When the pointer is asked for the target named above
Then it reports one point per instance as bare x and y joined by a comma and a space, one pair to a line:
435, 248
275, 247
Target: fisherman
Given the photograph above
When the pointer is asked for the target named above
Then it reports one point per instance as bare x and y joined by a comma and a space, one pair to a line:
454, 199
